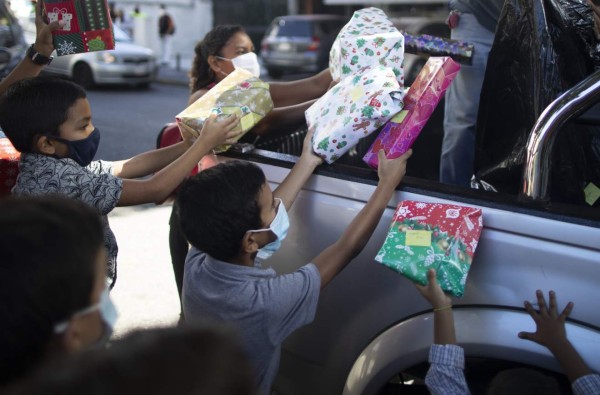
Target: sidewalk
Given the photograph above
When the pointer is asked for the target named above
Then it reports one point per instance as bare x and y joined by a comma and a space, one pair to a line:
145, 293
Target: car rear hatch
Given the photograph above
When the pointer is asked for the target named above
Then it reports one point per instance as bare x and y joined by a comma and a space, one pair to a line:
288, 40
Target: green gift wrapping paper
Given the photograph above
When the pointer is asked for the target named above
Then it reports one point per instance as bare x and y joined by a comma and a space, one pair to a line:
437, 236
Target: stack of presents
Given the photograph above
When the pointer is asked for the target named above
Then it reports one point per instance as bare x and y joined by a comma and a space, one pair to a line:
366, 60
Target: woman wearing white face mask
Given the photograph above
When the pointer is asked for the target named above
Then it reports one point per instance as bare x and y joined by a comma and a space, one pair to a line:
53, 295
223, 49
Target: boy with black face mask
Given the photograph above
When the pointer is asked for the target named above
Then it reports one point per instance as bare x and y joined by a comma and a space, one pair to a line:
234, 222
49, 121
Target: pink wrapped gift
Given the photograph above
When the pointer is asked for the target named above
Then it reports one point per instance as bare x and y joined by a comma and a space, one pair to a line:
399, 134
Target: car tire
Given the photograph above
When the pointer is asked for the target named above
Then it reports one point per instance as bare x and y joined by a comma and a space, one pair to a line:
275, 73
83, 75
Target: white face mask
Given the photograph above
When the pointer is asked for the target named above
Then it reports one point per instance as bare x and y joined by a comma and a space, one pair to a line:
279, 226
247, 61
108, 313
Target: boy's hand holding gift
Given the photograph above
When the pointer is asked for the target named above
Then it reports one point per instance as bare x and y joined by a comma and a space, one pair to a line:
216, 132
392, 171
433, 293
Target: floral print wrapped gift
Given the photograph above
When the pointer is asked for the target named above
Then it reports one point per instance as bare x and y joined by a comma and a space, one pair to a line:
437, 236
239, 93
87, 26
399, 134
353, 109
368, 39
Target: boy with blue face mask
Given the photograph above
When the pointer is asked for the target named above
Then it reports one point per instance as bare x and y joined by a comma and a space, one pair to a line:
53, 294
49, 121
234, 222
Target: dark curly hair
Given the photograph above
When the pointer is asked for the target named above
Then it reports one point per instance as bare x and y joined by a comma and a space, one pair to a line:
201, 74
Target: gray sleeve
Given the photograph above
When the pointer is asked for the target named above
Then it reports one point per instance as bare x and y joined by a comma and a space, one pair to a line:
294, 297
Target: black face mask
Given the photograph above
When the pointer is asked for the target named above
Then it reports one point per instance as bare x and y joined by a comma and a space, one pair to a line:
82, 151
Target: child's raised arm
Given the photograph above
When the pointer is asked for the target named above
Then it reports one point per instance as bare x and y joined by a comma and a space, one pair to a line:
178, 162
443, 319
331, 261
293, 182
43, 45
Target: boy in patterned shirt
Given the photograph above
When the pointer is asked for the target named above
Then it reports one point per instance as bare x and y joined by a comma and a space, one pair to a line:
49, 121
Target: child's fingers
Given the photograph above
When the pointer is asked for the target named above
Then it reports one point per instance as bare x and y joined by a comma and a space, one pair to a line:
529, 308
552, 304
527, 336
230, 121
565, 313
541, 302
431, 277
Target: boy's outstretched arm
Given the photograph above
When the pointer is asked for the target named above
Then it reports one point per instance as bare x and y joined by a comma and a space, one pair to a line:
43, 45
443, 319
297, 177
161, 184
447, 360
550, 333
331, 261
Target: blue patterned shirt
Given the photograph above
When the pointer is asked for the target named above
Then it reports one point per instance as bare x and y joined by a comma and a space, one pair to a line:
95, 185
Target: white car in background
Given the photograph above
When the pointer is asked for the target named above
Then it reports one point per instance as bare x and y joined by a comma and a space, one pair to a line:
128, 63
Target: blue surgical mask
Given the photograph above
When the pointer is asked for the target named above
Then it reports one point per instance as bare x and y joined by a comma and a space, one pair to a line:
108, 313
82, 151
279, 227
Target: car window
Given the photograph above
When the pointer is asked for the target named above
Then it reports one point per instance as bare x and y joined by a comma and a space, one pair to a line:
290, 28
330, 27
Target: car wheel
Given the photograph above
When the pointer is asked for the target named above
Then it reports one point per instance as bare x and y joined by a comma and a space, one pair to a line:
83, 75
275, 73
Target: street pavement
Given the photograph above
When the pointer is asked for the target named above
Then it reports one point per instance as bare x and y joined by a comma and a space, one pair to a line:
145, 293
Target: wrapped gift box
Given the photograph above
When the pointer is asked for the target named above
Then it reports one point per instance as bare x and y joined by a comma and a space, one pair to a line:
368, 39
437, 236
239, 93
353, 109
9, 165
87, 28
460, 51
399, 134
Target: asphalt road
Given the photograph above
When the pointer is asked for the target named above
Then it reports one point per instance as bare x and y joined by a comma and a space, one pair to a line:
129, 120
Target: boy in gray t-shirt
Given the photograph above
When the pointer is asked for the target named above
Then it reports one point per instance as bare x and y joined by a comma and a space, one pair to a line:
234, 221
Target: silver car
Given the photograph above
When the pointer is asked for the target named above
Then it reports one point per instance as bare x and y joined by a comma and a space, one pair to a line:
128, 63
372, 329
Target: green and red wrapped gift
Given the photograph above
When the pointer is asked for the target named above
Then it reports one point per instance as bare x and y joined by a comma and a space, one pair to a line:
87, 27
437, 236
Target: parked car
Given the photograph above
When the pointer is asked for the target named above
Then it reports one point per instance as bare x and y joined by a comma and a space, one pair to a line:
299, 43
128, 63
12, 42
372, 328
